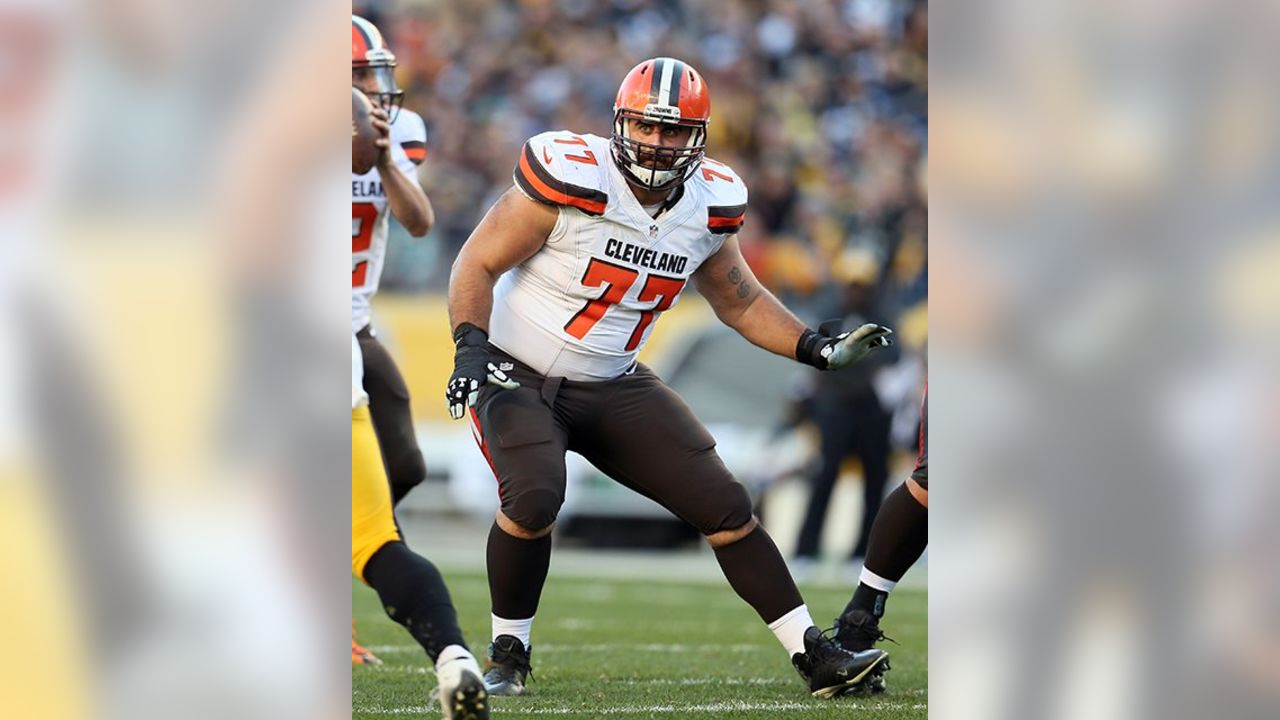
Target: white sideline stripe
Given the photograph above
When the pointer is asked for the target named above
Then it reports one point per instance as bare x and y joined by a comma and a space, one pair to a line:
665, 709
598, 647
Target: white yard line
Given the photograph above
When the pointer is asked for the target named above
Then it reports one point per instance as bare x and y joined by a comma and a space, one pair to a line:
612, 710
598, 647
427, 671
644, 682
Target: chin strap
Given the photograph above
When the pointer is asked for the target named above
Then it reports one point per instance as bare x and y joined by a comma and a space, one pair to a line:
672, 199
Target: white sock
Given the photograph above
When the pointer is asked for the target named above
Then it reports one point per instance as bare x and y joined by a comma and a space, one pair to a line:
454, 652
789, 629
519, 628
872, 580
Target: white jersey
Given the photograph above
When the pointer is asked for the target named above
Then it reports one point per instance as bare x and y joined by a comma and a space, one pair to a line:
369, 213
583, 306
358, 396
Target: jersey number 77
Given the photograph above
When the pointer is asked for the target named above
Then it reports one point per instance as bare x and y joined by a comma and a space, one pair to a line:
617, 280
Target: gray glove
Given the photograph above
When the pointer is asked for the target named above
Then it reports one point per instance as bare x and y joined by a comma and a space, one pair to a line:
843, 350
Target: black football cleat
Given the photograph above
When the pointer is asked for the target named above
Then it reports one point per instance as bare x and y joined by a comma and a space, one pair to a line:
508, 666
859, 630
831, 671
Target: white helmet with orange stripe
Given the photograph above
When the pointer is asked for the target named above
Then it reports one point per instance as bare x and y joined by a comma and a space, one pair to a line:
373, 66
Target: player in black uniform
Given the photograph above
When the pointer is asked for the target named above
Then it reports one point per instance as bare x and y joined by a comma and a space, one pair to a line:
899, 536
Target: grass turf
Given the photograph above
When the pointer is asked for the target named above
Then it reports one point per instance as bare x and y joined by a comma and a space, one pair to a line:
641, 649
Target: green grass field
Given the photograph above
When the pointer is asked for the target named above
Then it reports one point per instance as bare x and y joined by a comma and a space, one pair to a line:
639, 649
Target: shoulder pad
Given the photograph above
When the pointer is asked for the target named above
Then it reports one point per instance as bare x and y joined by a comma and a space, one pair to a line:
411, 133
726, 196
564, 170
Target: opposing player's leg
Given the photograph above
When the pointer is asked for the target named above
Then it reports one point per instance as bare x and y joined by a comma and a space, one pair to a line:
525, 445
673, 461
409, 586
899, 536
392, 417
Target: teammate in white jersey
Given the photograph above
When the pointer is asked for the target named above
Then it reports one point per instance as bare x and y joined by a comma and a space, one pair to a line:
391, 187
551, 299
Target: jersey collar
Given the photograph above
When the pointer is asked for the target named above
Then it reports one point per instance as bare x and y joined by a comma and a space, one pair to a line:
674, 210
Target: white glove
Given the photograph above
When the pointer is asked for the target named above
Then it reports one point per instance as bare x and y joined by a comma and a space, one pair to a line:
850, 348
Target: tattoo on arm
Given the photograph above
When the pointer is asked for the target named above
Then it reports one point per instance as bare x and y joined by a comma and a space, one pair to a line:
744, 287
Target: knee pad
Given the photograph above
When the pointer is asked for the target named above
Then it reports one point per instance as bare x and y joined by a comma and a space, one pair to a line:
407, 470
534, 509
731, 511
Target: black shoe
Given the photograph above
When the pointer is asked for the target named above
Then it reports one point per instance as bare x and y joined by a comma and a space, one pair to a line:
831, 671
859, 630
508, 666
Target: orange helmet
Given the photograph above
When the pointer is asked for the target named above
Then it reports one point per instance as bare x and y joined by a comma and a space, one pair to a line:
664, 91
371, 57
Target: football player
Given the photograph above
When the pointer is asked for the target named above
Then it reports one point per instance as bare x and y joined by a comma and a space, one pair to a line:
409, 586
391, 186
550, 301
899, 536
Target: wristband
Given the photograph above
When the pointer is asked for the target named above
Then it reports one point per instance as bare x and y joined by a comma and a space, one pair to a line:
469, 335
808, 349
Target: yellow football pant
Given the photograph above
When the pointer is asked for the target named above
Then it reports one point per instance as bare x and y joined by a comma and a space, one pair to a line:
44, 671
373, 523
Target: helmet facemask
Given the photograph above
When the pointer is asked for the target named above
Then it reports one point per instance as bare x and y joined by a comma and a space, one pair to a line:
652, 166
382, 64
